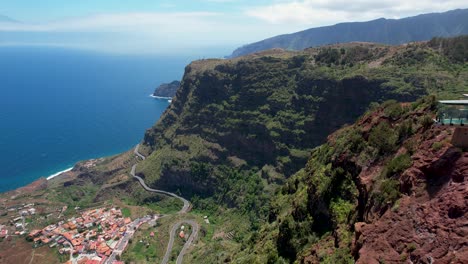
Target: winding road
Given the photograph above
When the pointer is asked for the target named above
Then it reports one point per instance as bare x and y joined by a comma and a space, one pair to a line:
185, 209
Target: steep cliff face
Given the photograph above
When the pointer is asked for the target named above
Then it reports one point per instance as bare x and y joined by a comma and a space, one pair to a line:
264, 113
167, 89
388, 189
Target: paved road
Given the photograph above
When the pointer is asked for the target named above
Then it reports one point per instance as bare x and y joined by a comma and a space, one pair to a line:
186, 206
138, 153
188, 243
172, 234
185, 209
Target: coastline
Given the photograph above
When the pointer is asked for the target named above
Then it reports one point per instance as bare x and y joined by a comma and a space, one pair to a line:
160, 97
58, 173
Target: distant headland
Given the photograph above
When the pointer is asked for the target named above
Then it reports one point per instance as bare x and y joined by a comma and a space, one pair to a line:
167, 90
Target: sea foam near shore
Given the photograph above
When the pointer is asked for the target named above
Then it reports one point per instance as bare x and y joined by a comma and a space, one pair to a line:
58, 173
160, 97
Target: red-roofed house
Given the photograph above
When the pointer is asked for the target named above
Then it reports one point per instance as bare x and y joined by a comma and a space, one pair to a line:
34, 233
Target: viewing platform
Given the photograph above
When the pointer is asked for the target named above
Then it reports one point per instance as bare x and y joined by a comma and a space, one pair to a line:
455, 113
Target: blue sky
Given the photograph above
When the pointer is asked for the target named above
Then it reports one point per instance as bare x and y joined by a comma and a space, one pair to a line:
33, 11
151, 26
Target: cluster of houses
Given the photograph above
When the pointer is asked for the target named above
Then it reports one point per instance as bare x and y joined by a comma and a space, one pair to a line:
96, 231
18, 222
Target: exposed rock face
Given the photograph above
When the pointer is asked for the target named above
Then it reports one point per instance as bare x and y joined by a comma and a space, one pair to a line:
167, 89
429, 225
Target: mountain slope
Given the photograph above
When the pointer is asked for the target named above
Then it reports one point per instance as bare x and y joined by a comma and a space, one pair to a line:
264, 114
238, 129
388, 189
386, 31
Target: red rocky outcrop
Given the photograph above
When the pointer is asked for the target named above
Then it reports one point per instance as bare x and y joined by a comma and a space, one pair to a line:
429, 224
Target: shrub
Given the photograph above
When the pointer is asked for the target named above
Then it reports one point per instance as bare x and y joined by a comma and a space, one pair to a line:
394, 111
383, 138
398, 165
405, 130
411, 247
410, 145
328, 56
349, 140
341, 210
437, 146
389, 191
426, 121
340, 255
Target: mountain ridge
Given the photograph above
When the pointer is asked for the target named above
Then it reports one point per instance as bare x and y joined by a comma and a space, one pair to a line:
386, 31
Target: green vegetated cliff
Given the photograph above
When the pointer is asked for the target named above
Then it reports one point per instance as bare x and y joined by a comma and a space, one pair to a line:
312, 215
265, 113
239, 133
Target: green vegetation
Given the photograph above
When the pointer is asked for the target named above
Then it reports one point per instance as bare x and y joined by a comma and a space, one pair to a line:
155, 202
383, 138
239, 129
388, 193
437, 145
76, 196
126, 212
143, 248
317, 207
243, 141
398, 165
456, 49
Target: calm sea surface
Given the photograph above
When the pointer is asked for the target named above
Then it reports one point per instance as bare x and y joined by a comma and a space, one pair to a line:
60, 106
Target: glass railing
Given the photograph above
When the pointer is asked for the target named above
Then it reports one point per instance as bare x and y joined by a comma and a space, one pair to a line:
452, 115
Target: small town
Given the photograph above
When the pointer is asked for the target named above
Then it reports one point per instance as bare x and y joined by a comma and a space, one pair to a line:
96, 236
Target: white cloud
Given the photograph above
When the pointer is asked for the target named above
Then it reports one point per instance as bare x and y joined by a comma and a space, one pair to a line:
169, 31
132, 22
324, 12
140, 32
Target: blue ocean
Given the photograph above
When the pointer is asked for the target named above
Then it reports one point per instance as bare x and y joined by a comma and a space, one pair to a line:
60, 106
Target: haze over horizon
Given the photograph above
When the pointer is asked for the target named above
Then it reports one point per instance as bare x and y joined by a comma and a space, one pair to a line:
181, 26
